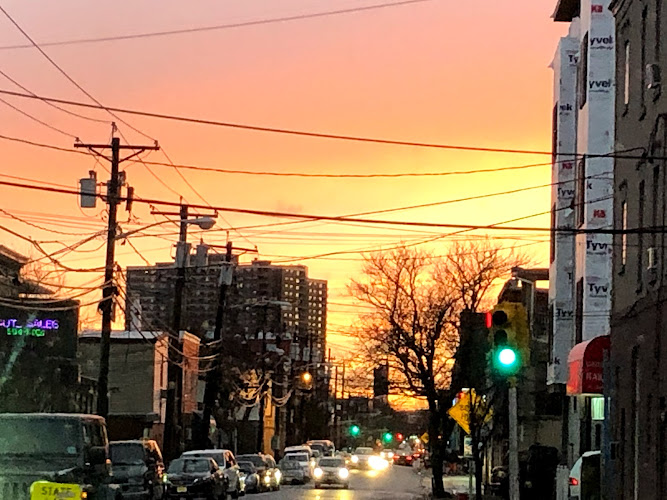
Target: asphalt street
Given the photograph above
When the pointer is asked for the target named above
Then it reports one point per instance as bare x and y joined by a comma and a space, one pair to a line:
394, 483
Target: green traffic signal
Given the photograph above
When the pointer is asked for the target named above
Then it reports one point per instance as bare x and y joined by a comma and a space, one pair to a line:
387, 437
507, 361
355, 430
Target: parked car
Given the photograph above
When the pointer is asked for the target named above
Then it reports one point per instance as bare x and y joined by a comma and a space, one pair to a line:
194, 478
292, 472
585, 477
227, 463
268, 472
249, 477
137, 468
331, 470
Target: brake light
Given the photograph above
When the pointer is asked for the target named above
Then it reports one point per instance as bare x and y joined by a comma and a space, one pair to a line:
574, 481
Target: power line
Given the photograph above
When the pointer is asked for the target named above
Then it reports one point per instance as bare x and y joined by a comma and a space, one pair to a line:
268, 213
50, 103
320, 135
99, 105
37, 120
347, 176
219, 27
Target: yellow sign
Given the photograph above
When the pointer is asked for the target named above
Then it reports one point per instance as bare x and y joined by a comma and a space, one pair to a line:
424, 438
44, 490
460, 412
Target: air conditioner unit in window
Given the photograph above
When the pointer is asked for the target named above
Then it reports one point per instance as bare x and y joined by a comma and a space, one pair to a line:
653, 80
652, 259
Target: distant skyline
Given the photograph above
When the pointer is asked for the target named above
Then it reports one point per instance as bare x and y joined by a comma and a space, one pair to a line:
437, 71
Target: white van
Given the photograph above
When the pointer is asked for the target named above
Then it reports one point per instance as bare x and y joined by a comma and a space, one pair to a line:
304, 460
585, 476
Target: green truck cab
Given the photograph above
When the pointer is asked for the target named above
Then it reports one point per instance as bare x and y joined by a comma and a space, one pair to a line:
54, 456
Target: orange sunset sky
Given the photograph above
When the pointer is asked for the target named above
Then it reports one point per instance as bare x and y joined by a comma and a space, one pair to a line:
472, 73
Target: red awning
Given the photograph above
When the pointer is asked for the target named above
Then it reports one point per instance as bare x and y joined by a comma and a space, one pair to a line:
585, 365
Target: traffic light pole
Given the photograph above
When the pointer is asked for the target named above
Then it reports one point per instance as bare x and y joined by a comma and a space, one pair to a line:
514, 443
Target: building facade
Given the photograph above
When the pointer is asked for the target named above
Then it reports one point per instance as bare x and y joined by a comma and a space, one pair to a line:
638, 451
580, 296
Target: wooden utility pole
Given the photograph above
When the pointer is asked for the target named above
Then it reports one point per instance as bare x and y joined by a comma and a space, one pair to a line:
113, 198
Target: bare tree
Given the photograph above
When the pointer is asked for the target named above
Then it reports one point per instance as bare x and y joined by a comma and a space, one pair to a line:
417, 299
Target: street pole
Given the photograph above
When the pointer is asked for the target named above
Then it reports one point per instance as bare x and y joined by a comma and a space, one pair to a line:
215, 374
335, 408
109, 290
514, 443
172, 433
260, 418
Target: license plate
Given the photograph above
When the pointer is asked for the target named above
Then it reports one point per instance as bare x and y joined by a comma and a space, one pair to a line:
45, 490
181, 489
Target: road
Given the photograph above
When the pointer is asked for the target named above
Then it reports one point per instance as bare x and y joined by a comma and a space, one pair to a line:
395, 483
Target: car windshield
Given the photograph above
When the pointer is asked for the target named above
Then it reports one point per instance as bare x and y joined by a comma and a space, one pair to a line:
363, 451
39, 436
218, 457
247, 467
126, 453
190, 465
256, 460
297, 457
331, 462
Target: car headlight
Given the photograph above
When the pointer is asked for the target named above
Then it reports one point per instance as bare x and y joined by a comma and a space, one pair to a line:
343, 473
318, 473
355, 459
390, 454
278, 475
267, 479
165, 479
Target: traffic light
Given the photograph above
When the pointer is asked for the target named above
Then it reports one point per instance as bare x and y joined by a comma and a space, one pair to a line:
510, 338
355, 430
399, 437
387, 437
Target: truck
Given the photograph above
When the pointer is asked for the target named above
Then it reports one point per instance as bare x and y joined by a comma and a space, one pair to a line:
49, 456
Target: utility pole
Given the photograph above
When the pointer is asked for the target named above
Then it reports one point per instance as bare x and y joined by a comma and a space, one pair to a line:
262, 395
109, 290
214, 376
514, 443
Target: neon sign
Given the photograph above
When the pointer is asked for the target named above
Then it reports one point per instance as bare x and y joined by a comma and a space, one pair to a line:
31, 328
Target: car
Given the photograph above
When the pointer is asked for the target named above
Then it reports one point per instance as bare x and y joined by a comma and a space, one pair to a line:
366, 458
331, 470
403, 457
388, 455
195, 477
138, 468
292, 472
227, 463
266, 468
324, 446
304, 461
249, 477
585, 477
77, 448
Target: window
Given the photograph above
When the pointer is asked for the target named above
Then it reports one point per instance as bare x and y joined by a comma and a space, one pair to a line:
553, 235
640, 236
624, 236
580, 191
554, 134
579, 313
643, 64
597, 408
658, 32
582, 73
626, 75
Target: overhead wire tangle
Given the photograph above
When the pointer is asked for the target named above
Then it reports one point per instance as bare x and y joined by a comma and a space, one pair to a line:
66, 75
219, 27
37, 226
322, 135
